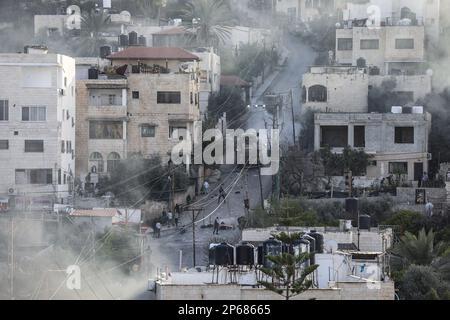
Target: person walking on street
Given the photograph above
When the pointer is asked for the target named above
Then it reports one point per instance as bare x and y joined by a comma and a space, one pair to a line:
221, 194
170, 218
158, 229
216, 226
176, 218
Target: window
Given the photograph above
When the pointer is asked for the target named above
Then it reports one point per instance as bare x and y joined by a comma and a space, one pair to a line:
113, 161
105, 130
192, 98
112, 99
4, 144
317, 93
59, 176
398, 167
34, 145
404, 43
359, 136
34, 114
181, 131
96, 159
171, 97
345, 44
135, 94
34, 176
4, 110
63, 146
404, 135
334, 136
148, 131
372, 44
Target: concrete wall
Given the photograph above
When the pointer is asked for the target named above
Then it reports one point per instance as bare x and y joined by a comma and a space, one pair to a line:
345, 291
420, 85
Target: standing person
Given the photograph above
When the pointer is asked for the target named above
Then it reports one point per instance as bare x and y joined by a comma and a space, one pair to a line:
429, 209
206, 187
170, 218
221, 194
216, 226
164, 215
424, 179
158, 229
176, 218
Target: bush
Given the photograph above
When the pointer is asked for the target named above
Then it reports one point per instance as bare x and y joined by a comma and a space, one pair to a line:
423, 283
410, 221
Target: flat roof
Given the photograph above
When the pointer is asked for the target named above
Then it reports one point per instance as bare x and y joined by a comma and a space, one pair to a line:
154, 53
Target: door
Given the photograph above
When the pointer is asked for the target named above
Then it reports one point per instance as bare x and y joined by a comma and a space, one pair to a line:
418, 171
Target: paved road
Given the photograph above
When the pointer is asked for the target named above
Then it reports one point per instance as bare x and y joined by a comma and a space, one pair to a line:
165, 251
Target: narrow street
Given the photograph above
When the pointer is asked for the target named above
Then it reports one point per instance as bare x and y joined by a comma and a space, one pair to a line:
166, 250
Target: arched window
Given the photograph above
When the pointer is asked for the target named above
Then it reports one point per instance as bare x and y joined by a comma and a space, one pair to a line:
405, 13
317, 93
96, 159
303, 94
113, 161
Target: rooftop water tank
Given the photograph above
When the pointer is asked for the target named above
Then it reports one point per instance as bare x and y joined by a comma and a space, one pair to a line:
319, 240
364, 222
224, 254
407, 110
133, 38
142, 41
417, 110
245, 254
123, 40
271, 247
351, 206
105, 51
93, 73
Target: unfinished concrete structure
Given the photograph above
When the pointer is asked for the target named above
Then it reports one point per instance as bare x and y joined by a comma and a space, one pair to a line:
397, 141
136, 114
37, 127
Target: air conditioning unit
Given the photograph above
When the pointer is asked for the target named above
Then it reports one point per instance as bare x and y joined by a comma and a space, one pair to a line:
12, 192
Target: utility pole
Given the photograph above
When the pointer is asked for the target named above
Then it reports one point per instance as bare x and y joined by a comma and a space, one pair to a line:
12, 257
193, 232
277, 178
292, 109
264, 61
260, 188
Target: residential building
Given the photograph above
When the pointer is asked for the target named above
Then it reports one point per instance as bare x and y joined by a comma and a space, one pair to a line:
37, 127
346, 88
210, 75
426, 12
135, 109
388, 50
304, 10
398, 142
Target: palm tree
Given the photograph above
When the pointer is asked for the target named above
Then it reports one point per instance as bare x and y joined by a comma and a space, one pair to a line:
92, 24
151, 8
209, 20
418, 250
288, 276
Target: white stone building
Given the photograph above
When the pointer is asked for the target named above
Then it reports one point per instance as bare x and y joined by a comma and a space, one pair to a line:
304, 10
397, 141
37, 127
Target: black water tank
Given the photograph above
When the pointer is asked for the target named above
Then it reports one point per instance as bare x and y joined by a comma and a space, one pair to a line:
319, 240
93, 73
245, 254
123, 40
142, 41
105, 51
211, 254
224, 254
312, 242
260, 252
407, 110
132, 38
351, 206
271, 247
364, 222
361, 63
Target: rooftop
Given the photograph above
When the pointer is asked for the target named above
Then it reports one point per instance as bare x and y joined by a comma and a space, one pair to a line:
172, 31
154, 53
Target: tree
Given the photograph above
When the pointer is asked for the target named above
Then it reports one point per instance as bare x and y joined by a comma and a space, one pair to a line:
151, 8
209, 19
93, 23
228, 100
418, 250
351, 159
288, 276
423, 283
408, 221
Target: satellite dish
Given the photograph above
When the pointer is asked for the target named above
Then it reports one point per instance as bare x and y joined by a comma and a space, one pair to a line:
338, 25
430, 72
125, 14
330, 246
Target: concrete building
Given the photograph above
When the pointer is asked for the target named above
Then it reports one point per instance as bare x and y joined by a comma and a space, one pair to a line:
304, 10
346, 89
137, 111
388, 50
426, 12
37, 127
397, 141
210, 75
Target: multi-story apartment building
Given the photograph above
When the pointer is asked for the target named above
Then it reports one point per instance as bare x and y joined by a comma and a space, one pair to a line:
137, 111
37, 127
397, 141
388, 50
346, 88
304, 10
